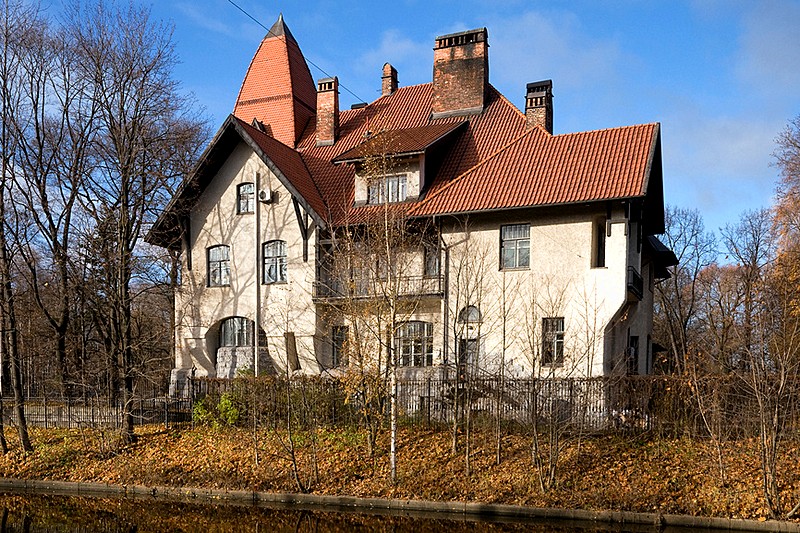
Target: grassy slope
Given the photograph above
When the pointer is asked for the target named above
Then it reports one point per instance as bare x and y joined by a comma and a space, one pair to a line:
636, 474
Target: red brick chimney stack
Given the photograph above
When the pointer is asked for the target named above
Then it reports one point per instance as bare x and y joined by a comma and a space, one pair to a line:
388, 80
460, 73
327, 110
539, 105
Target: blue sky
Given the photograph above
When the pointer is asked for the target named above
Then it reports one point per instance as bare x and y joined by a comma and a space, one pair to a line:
721, 76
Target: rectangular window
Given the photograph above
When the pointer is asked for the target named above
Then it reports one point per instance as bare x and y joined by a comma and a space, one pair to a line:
599, 245
274, 253
432, 260
633, 355
515, 246
338, 340
390, 189
553, 341
414, 344
219, 266
246, 198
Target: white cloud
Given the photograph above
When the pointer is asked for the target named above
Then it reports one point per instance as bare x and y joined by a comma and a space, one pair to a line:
553, 46
403, 53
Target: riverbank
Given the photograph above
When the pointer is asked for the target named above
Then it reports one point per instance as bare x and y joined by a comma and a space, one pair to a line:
602, 473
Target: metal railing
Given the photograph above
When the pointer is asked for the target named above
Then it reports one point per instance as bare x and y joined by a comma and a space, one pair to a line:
635, 283
369, 287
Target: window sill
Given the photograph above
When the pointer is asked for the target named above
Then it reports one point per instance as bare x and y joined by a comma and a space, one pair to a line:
515, 269
218, 286
283, 282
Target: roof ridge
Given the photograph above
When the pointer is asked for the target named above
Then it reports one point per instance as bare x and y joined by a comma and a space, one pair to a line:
509, 102
482, 162
599, 130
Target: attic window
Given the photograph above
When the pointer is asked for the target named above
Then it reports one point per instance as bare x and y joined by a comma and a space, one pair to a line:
390, 189
245, 198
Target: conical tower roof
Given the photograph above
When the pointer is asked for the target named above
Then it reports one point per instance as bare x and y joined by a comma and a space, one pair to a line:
278, 89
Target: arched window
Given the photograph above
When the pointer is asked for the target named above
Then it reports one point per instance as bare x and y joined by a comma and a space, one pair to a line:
236, 331
219, 266
469, 315
414, 343
274, 253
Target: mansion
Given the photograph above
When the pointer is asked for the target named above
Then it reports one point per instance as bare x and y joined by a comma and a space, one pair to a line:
437, 226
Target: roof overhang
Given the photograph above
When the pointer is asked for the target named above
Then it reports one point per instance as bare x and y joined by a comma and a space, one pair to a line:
167, 229
399, 143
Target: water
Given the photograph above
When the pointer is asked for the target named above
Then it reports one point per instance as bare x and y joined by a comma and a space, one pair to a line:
79, 514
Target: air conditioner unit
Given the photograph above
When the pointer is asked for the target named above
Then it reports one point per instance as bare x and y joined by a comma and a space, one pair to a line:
265, 196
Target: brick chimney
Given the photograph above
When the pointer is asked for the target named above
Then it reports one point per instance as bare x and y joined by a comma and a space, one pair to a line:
460, 73
327, 110
539, 105
388, 80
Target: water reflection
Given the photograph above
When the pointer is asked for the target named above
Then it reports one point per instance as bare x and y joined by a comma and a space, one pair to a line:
67, 514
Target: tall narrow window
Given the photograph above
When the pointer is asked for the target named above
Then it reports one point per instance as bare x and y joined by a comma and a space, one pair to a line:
414, 344
387, 190
599, 245
274, 253
219, 266
338, 340
515, 246
245, 198
553, 341
432, 260
633, 355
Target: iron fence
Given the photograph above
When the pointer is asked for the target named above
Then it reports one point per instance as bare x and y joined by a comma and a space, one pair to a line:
663, 404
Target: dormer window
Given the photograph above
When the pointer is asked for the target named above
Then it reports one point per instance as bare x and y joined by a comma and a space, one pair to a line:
390, 189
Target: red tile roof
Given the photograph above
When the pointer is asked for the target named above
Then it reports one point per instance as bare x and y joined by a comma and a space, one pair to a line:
541, 169
278, 89
407, 141
491, 162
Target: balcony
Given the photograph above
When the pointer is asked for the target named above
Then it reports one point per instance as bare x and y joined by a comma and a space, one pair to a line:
635, 284
403, 286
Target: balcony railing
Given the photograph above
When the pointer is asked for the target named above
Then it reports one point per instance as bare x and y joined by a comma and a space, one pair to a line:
635, 283
403, 286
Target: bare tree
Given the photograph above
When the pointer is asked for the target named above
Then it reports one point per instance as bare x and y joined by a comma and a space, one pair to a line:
54, 125
16, 18
146, 136
677, 298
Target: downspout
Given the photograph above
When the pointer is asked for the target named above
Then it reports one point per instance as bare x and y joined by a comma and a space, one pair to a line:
256, 276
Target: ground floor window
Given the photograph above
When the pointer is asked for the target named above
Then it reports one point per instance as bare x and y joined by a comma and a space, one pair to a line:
553, 341
338, 340
414, 344
236, 331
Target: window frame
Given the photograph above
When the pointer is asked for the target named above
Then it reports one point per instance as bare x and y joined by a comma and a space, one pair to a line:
413, 344
245, 202
241, 334
599, 234
553, 341
218, 270
274, 256
391, 189
432, 260
339, 336
516, 243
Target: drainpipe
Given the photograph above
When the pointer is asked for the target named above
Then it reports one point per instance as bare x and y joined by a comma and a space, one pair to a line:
256, 276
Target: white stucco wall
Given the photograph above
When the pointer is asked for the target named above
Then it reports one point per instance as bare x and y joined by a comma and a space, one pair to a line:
284, 306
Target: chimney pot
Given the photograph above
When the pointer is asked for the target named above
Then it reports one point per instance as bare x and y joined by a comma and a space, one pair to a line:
388, 80
539, 105
460, 73
327, 110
